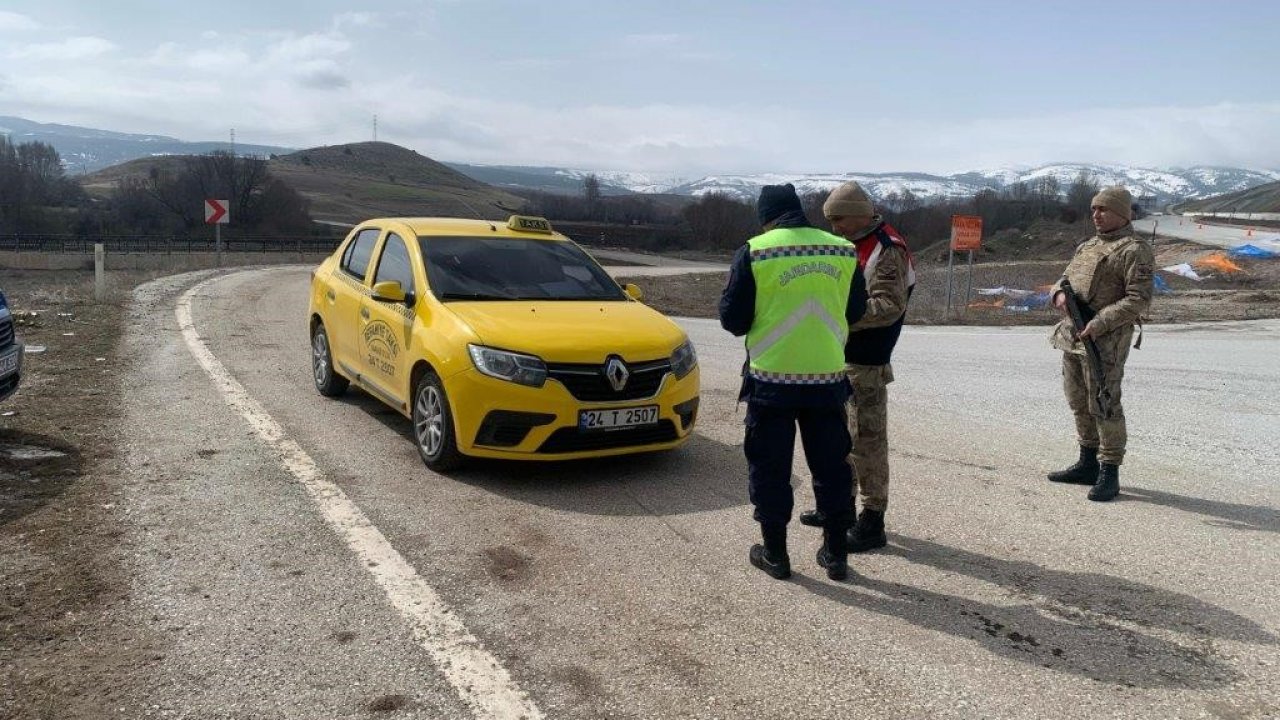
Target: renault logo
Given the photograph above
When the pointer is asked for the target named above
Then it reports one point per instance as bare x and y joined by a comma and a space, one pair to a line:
617, 373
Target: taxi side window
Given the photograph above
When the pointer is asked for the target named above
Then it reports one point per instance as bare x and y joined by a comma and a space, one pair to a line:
355, 260
395, 264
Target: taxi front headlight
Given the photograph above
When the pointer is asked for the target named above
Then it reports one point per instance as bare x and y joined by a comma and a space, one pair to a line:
684, 359
509, 366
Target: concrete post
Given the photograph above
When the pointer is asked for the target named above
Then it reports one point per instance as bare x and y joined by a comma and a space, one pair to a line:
99, 274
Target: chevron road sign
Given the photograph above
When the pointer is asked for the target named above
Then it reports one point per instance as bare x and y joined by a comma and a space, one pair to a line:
215, 212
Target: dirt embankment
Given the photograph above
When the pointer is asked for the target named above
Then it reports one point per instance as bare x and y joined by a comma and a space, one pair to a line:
60, 576
1030, 261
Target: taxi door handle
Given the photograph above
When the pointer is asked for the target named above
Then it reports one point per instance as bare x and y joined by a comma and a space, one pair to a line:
331, 296
364, 313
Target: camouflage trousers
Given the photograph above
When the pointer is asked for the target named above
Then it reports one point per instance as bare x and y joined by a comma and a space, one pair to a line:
1109, 434
869, 428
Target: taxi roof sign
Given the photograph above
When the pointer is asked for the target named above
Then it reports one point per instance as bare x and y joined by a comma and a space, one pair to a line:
529, 223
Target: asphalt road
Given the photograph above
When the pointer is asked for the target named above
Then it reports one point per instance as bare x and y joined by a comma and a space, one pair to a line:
620, 588
1226, 236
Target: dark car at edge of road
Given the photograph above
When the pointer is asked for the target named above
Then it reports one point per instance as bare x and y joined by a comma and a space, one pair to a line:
10, 351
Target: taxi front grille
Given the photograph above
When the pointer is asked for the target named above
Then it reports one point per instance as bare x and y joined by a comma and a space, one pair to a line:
6, 332
571, 439
588, 383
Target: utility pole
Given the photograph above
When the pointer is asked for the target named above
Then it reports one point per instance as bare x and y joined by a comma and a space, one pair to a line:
375, 127
233, 142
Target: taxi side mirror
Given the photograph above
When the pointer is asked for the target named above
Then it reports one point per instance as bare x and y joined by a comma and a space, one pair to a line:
388, 291
633, 291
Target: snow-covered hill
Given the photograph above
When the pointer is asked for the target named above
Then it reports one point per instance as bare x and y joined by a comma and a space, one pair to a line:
1161, 185
86, 149
1158, 186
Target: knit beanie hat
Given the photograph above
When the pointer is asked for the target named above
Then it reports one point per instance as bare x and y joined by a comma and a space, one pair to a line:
848, 200
1116, 199
776, 201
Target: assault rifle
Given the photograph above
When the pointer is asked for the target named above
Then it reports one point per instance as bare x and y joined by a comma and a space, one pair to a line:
1077, 310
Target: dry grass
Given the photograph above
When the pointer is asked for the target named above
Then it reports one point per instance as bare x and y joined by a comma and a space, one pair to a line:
1251, 294
38, 290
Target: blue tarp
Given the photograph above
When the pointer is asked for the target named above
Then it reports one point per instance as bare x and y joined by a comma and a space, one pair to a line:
1161, 285
1252, 251
1016, 299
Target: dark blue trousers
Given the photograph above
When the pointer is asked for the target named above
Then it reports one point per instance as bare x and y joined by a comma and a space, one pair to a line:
770, 440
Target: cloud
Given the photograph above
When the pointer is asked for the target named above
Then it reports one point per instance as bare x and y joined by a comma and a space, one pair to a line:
76, 48
1241, 135
669, 46
13, 22
306, 89
321, 79
292, 48
357, 19
207, 62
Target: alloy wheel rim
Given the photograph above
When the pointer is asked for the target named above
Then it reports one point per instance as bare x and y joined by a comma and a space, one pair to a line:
320, 358
429, 426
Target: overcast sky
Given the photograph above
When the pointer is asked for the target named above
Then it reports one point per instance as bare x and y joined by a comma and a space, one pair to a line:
690, 88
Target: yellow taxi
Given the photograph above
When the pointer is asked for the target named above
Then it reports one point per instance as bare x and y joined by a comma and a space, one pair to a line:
499, 340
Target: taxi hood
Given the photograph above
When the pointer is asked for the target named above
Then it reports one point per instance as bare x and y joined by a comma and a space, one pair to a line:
574, 331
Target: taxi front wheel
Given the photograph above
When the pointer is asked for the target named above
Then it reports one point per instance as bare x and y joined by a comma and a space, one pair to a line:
433, 424
328, 382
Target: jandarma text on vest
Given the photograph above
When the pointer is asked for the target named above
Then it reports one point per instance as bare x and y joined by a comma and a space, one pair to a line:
792, 273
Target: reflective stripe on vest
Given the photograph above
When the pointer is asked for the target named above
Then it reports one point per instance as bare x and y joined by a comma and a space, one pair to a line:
803, 276
811, 308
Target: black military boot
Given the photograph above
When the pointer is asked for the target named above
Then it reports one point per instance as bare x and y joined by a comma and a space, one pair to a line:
771, 557
834, 553
1084, 472
868, 532
1108, 485
813, 518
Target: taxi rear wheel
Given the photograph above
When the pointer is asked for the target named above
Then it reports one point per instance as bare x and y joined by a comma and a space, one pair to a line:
433, 424
328, 382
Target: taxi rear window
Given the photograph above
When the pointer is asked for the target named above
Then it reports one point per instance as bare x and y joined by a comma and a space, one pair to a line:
356, 259
500, 268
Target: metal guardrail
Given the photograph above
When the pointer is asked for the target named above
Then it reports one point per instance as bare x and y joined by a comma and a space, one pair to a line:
164, 245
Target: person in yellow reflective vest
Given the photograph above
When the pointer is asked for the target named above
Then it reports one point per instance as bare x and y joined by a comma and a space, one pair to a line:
793, 291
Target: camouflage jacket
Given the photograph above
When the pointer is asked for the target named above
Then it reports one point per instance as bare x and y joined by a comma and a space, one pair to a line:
1112, 274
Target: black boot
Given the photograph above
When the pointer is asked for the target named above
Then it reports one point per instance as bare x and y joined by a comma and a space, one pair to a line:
834, 553
1108, 485
868, 532
771, 557
813, 518
1084, 472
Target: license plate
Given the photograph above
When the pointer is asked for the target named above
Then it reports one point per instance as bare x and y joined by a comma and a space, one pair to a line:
617, 417
8, 364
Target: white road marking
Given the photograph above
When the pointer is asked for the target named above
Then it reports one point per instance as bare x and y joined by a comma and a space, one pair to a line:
481, 681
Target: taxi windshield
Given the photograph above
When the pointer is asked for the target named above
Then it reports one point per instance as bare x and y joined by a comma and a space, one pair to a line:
505, 268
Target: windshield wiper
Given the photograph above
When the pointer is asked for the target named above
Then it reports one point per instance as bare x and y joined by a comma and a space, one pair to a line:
473, 296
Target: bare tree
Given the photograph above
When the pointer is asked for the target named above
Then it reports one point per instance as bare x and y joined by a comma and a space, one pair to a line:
1047, 192
259, 203
591, 194
31, 181
719, 222
1081, 193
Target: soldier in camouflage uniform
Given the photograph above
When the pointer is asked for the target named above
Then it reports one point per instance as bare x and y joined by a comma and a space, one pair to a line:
1111, 274
890, 272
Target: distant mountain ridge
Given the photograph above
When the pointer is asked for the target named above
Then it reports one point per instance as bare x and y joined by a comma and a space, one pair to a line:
1257, 199
86, 150
1160, 186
